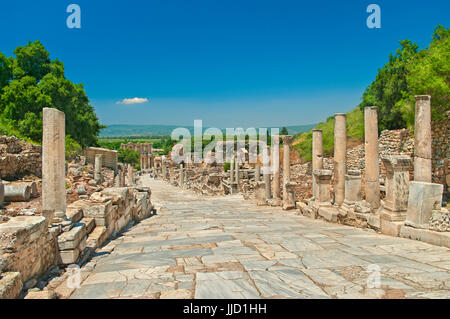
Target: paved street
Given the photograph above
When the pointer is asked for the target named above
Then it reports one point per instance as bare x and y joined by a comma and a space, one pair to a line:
224, 247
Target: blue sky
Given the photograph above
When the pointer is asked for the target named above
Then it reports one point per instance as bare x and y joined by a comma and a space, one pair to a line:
230, 63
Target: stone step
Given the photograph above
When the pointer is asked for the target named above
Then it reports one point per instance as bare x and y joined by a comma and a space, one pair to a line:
72, 238
98, 236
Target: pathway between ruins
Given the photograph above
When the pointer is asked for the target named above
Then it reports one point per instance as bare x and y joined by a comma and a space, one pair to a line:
224, 247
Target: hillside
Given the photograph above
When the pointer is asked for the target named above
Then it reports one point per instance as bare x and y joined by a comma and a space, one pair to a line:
120, 130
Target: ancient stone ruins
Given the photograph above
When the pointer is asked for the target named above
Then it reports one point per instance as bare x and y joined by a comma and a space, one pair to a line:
275, 224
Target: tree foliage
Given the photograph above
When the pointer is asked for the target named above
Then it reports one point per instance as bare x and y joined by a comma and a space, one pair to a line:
31, 81
408, 73
128, 156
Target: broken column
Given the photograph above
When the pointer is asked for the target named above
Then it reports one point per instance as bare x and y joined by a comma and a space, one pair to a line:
317, 157
17, 192
422, 139
323, 178
340, 154
397, 184
53, 165
372, 186
276, 166
352, 190
288, 187
98, 168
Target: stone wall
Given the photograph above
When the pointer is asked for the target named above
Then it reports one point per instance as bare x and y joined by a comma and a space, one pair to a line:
109, 157
27, 247
19, 158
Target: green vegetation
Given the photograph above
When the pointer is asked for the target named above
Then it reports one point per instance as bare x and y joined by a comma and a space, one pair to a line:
408, 73
72, 148
31, 81
226, 166
128, 156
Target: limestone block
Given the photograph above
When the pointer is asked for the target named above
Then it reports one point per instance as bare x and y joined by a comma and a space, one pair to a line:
101, 212
43, 294
422, 200
10, 285
97, 237
21, 229
68, 257
72, 238
90, 224
75, 214
426, 235
329, 213
391, 228
440, 220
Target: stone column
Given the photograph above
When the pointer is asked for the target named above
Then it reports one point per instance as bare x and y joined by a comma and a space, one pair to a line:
122, 178
257, 173
232, 171
371, 157
340, 155
276, 166
288, 198
98, 168
317, 157
397, 187
236, 171
53, 166
323, 179
130, 175
266, 172
181, 175
422, 139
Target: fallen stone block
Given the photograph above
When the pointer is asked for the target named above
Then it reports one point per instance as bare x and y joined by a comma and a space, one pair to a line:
391, 228
72, 238
426, 235
374, 221
329, 213
90, 224
20, 229
43, 294
10, 285
98, 236
75, 214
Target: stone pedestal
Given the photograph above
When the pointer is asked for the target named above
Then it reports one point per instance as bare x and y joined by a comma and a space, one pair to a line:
98, 168
371, 157
232, 171
397, 187
352, 191
130, 181
276, 166
323, 179
288, 187
53, 166
423, 198
317, 157
340, 154
422, 139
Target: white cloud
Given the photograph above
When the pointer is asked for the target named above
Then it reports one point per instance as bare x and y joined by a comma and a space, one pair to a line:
135, 100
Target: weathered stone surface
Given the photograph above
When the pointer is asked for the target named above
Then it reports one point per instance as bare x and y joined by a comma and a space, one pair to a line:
53, 165
440, 220
71, 239
43, 294
371, 157
422, 139
340, 154
426, 235
17, 192
422, 200
10, 285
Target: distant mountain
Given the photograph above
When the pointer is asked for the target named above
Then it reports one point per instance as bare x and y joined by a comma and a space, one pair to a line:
122, 130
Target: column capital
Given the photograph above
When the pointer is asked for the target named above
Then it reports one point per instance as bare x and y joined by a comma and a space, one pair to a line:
286, 138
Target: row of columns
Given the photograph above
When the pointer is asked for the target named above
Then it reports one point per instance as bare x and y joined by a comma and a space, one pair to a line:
147, 161
143, 148
347, 185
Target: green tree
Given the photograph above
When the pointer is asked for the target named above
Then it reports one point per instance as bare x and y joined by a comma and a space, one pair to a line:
128, 156
284, 131
31, 81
